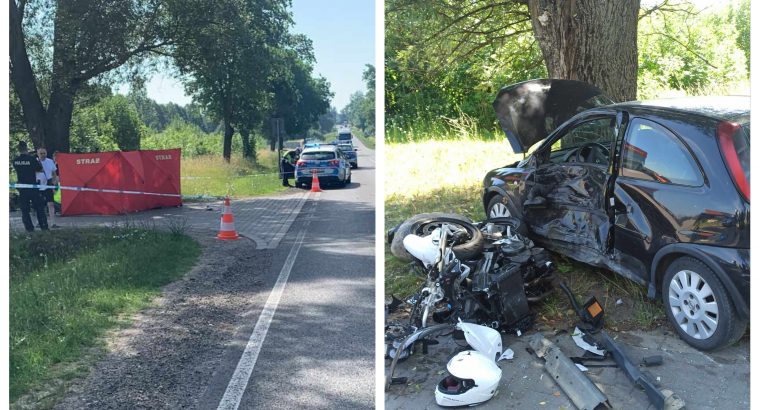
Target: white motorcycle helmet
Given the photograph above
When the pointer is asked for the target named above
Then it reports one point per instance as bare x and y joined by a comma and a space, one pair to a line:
473, 378
481, 338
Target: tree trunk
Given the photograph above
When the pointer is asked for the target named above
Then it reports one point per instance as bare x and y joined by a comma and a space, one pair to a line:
590, 40
59, 112
227, 149
249, 149
24, 81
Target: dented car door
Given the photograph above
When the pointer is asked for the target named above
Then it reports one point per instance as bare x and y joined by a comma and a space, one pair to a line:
566, 204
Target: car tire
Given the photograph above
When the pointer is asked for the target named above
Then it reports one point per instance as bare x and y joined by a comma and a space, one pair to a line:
423, 223
699, 307
501, 207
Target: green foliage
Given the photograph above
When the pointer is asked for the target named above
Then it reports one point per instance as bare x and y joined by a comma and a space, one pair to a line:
61, 304
695, 52
448, 58
125, 125
360, 110
740, 17
189, 137
157, 116
110, 124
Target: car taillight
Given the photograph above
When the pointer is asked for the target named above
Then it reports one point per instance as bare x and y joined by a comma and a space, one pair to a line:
334, 162
728, 147
300, 163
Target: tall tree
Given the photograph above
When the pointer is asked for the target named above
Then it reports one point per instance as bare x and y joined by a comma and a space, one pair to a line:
229, 56
299, 98
87, 38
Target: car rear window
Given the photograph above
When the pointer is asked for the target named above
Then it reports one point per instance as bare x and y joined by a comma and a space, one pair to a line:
344, 137
318, 155
346, 147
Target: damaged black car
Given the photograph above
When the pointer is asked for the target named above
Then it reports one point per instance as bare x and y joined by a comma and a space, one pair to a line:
657, 191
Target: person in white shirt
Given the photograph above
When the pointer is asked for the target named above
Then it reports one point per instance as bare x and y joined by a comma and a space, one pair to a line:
48, 176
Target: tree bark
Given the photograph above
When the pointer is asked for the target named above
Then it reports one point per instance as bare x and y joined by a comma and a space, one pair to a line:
24, 81
59, 112
590, 40
227, 148
248, 148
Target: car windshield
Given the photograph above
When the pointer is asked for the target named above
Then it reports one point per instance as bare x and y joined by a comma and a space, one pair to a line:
318, 155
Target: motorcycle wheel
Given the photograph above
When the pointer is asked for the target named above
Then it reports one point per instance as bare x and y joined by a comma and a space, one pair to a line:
424, 224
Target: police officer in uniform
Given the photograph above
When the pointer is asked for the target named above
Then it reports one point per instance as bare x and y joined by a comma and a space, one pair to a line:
26, 167
287, 164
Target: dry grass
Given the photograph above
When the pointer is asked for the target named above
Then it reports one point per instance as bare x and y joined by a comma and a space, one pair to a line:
209, 175
421, 167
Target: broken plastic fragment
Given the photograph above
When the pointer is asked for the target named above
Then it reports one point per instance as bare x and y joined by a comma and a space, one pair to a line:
507, 355
581, 367
580, 342
619, 302
519, 333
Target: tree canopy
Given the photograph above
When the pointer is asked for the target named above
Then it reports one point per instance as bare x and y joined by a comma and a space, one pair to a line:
237, 58
445, 60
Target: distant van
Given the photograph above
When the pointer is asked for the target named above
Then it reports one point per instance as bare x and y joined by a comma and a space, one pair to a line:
344, 136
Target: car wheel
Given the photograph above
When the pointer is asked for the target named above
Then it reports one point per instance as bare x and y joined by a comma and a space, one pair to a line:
698, 305
424, 224
500, 207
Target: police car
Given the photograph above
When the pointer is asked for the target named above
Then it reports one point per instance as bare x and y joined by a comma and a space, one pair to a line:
328, 161
350, 152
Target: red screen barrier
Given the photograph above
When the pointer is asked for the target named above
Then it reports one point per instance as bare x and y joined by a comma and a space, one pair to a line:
155, 171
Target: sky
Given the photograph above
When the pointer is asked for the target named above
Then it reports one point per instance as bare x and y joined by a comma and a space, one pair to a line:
343, 36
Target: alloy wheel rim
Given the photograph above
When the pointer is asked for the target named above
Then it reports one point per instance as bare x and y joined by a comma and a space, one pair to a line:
499, 210
692, 302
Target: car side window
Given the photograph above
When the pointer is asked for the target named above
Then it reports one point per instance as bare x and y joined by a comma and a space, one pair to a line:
599, 130
652, 153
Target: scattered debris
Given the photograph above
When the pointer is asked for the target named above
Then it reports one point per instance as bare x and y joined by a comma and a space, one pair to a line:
619, 302
579, 388
581, 367
578, 338
507, 355
651, 361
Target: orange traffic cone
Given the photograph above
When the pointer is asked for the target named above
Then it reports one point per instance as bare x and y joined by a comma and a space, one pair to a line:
315, 182
227, 229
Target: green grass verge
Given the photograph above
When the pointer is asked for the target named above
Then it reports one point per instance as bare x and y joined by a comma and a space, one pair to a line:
211, 176
69, 287
444, 176
368, 140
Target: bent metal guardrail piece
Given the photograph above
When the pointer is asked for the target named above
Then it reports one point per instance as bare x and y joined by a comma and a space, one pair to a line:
655, 395
580, 389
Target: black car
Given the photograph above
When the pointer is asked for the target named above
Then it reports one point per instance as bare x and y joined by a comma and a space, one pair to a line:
657, 191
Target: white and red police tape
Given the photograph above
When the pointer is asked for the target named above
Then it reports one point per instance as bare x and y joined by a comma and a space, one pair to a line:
85, 189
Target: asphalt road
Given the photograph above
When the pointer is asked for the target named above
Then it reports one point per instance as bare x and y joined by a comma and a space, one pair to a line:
318, 349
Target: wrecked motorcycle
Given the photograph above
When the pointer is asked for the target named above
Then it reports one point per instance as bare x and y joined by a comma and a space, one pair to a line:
484, 273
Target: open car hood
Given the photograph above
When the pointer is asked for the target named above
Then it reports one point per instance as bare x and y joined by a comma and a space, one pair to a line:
529, 111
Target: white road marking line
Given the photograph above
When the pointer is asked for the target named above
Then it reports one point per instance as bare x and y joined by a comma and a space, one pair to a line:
239, 381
